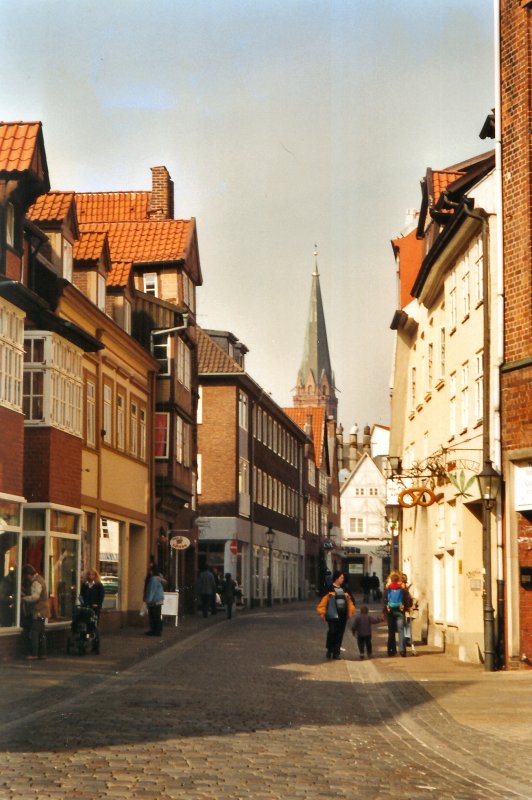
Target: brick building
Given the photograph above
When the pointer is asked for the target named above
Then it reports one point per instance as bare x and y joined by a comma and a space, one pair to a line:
516, 372
250, 476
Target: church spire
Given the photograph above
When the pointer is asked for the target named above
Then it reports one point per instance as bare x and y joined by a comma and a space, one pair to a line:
315, 380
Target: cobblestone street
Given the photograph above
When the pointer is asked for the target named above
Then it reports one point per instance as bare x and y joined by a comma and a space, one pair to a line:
252, 709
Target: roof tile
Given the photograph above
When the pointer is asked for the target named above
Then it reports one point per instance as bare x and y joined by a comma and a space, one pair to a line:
300, 416
51, 207
146, 242
212, 359
90, 246
113, 206
18, 141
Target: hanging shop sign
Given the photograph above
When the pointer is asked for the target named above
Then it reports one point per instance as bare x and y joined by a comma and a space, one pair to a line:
418, 496
179, 542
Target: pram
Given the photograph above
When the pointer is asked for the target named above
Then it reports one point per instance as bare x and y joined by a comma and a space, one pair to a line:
409, 636
84, 631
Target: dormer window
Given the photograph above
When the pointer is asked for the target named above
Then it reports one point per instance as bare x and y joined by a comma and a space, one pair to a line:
150, 283
188, 292
100, 301
10, 225
67, 260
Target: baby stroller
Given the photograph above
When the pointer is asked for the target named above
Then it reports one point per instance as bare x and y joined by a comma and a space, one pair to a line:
84, 631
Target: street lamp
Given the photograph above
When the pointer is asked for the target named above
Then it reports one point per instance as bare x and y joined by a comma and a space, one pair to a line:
270, 536
393, 511
489, 483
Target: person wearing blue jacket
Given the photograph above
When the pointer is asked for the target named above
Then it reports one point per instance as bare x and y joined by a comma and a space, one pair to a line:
154, 599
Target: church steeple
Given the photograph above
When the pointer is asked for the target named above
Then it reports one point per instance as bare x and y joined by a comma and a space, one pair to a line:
315, 380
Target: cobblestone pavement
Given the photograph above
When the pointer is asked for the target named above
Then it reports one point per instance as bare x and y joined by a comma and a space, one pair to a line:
251, 709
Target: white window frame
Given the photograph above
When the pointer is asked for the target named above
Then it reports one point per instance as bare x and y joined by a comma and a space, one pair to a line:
127, 316
452, 301
101, 291
450, 587
244, 500
107, 413
149, 280
179, 444
142, 433
438, 587
479, 386
187, 441
162, 352
466, 293
357, 525
199, 407
199, 475
478, 260
442, 352
134, 428
67, 260
11, 356
464, 396
62, 373
452, 404
121, 420
243, 410
90, 411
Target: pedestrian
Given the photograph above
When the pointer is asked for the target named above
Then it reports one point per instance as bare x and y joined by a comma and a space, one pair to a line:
217, 597
396, 601
37, 607
375, 586
228, 594
361, 628
93, 592
336, 607
154, 599
206, 590
365, 585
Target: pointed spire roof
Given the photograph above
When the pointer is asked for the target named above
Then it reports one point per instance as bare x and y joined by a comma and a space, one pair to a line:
316, 357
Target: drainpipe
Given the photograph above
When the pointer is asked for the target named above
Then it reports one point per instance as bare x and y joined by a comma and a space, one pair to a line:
252, 506
497, 447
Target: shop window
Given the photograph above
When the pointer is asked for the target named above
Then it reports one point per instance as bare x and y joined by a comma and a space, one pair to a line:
109, 562
62, 578
8, 579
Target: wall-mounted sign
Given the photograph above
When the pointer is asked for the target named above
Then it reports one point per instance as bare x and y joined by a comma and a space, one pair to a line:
179, 542
523, 487
418, 496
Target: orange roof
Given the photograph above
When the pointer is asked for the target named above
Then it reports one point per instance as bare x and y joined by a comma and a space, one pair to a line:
300, 416
441, 180
51, 207
90, 246
113, 206
18, 141
410, 257
146, 242
120, 272
211, 358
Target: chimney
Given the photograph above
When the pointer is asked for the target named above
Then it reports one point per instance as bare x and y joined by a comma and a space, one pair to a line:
367, 439
353, 447
162, 194
340, 446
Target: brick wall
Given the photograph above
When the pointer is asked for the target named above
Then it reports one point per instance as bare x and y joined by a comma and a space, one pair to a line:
52, 467
162, 194
217, 444
516, 394
11, 451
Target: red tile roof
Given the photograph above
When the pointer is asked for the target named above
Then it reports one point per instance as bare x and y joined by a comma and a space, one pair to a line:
18, 141
300, 416
441, 180
410, 250
51, 207
90, 247
212, 359
146, 242
113, 206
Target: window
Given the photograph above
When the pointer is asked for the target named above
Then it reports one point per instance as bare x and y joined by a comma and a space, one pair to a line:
243, 487
466, 300
479, 386
53, 382
258, 487
430, 357
127, 316
453, 527
107, 414
441, 525
186, 444
311, 472
11, 357
464, 392
161, 439
478, 271
275, 437
142, 433
450, 588
133, 427
101, 292
188, 292
412, 388
452, 301
90, 413
356, 525
452, 404
438, 588
179, 450
120, 421
442, 352
10, 225
259, 425
199, 408
183, 363
200, 473
150, 283
360, 491
67, 260
373, 491
243, 410
162, 352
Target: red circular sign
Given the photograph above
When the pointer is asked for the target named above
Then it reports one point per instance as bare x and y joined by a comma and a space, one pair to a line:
233, 547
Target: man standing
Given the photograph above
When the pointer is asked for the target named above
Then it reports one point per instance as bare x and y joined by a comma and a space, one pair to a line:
38, 608
206, 589
397, 600
336, 607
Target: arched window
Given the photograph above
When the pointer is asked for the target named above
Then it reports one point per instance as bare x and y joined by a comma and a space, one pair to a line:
10, 225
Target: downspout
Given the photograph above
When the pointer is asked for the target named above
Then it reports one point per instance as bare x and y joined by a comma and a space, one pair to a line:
487, 425
497, 445
253, 407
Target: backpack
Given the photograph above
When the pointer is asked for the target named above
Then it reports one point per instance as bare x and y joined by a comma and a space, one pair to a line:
395, 597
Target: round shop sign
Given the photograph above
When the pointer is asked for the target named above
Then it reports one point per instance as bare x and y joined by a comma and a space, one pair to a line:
179, 542
233, 547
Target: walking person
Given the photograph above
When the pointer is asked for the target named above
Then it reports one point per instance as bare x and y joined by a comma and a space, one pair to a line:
228, 593
375, 586
361, 628
93, 592
206, 590
336, 607
154, 599
38, 608
396, 601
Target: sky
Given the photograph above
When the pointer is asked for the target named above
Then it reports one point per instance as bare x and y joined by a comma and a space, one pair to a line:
284, 124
